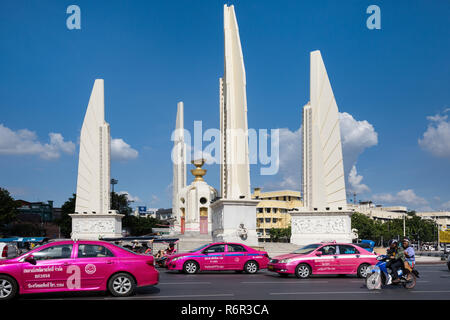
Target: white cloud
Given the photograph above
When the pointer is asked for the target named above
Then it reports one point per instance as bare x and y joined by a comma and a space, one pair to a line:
154, 199
25, 142
354, 182
122, 151
446, 205
356, 136
129, 196
436, 139
289, 161
404, 197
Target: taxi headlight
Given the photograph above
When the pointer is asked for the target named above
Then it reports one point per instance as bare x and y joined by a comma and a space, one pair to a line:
284, 261
175, 259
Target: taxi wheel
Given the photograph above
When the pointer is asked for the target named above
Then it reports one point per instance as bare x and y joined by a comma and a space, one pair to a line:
122, 285
8, 288
251, 267
302, 271
190, 267
363, 270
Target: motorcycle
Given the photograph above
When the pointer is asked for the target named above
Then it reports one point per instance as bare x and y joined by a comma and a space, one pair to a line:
380, 275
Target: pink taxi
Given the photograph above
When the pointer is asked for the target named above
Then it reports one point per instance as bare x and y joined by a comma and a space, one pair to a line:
219, 256
324, 258
76, 266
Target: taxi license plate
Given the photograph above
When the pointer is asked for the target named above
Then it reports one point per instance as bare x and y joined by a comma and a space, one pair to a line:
270, 267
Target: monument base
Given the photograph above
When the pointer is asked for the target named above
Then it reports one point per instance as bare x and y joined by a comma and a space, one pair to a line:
234, 221
313, 227
93, 226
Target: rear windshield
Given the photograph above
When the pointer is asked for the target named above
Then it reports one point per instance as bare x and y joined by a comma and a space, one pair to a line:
123, 248
307, 249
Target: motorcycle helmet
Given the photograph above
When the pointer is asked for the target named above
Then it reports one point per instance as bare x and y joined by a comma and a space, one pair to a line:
393, 241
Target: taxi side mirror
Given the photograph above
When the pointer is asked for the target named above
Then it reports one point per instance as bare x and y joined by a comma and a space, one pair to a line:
30, 259
318, 253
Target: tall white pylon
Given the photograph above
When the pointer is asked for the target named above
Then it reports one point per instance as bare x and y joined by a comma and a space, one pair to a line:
235, 169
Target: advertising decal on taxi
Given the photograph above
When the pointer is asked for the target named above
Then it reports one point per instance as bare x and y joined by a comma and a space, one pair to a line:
73, 281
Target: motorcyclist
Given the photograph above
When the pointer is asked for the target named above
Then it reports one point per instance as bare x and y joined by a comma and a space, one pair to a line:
396, 261
410, 258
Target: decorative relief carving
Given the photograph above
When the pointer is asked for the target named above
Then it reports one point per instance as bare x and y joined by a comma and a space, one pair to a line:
318, 225
93, 226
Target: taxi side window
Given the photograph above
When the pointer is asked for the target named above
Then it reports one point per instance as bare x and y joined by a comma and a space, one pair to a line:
348, 250
54, 252
93, 251
328, 250
215, 249
236, 248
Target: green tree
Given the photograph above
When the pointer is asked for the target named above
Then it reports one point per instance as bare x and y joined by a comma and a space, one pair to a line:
277, 234
26, 230
367, 229
65, 221
8, 207
120, 203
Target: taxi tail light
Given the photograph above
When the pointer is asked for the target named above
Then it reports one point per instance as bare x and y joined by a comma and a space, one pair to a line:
151, 262
5, 252
266, 255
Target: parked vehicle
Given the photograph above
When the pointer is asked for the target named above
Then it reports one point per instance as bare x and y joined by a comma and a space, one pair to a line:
76, 266
366, 244
448, 262
381, 275
219, 256
324, 258
8, 250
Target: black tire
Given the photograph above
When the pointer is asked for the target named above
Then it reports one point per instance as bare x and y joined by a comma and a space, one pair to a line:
411, 283
251, 267
448, 266
8, 288
122, 285
363, 270
303, 271
191, 267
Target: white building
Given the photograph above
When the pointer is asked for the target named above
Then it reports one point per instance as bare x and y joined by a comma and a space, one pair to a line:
378, 212
148, 212
441, 218
195, 202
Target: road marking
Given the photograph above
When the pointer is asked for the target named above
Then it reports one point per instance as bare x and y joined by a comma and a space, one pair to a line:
444, 291
290, 282
187, 296
341, 292
164, 283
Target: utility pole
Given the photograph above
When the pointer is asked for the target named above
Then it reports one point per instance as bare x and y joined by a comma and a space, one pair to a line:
404, 231
113, 182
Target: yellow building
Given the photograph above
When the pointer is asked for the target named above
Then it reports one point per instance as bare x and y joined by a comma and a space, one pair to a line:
272, 210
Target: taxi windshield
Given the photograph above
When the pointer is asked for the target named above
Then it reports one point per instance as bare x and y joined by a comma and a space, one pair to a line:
199, 248
307, 249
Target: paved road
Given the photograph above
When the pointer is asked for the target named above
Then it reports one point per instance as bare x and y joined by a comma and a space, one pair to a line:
434, 284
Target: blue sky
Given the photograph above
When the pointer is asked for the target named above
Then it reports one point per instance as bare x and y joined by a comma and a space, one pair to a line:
392, 84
